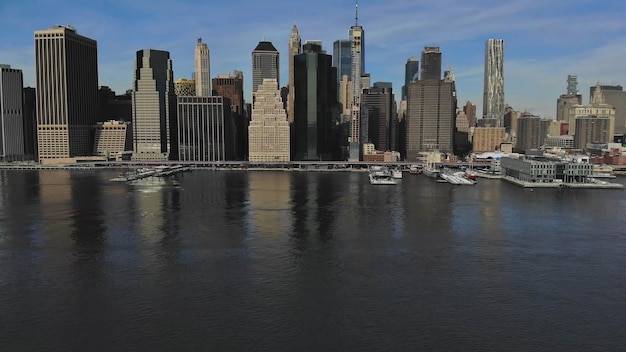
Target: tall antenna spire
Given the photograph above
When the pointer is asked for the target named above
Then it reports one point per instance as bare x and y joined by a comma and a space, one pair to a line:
356, 17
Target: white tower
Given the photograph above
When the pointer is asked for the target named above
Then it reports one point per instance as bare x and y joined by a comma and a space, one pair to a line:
203, 70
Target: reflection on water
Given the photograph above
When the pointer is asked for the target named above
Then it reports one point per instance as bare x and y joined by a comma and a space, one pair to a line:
233, 260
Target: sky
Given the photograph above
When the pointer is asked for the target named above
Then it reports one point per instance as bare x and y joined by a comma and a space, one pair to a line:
545, 40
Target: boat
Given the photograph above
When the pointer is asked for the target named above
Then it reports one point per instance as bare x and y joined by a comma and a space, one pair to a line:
602, 171
396, 173
414, 169
431, 169
456, 177
381, 175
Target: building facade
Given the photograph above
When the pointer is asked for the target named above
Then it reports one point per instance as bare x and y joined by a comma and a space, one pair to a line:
597, 107
11, 114
231, 86
379, 118
112, 138
295, 48
66, 71
342, 59
593, 129
431, 109
154, 107
269, 131
411, 74
531, 132
265, 64
487, 139
356, 72
315, 104
185, 87
493, 94
202, 76
614, 96
204, 129
431, 63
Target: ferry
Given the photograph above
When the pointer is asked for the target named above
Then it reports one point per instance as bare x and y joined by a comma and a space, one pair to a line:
381, 175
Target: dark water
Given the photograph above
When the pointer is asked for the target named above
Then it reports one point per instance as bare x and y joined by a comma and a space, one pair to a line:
306, 261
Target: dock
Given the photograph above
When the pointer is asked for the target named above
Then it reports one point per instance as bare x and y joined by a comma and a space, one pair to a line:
593, 184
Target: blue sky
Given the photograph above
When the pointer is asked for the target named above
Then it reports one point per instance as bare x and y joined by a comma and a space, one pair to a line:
544, 40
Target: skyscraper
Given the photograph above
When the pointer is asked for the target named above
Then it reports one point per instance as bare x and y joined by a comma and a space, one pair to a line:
379, 116
342, 59
315, 82
431, 110
66, 70
265, 64
356, 42
431, 63
154, 107
231, 86
493, 94
411, 74
11, 114
203, 69
295, 48
269, 129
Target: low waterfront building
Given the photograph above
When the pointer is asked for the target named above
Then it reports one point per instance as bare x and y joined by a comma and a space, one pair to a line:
544, 170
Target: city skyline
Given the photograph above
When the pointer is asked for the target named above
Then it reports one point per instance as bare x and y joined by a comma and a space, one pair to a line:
545, 42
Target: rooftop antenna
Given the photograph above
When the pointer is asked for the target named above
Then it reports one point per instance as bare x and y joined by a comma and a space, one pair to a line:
356, 17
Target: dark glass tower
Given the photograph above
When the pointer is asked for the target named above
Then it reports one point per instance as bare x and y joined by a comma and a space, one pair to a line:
431, 63
265, 64
411, 74
315, 102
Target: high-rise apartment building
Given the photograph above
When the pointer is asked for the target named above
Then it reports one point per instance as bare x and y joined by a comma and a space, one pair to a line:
315, 104
295, 48
593, 129
356, 72
493, 93
411, 74
531, 132
66, 71
154, 107
269, 128
265, 64
487, 139
431, 63
202, 74
11, 114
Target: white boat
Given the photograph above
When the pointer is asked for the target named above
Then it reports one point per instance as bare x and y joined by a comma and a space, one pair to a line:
456, 178
381, 175
396, 173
